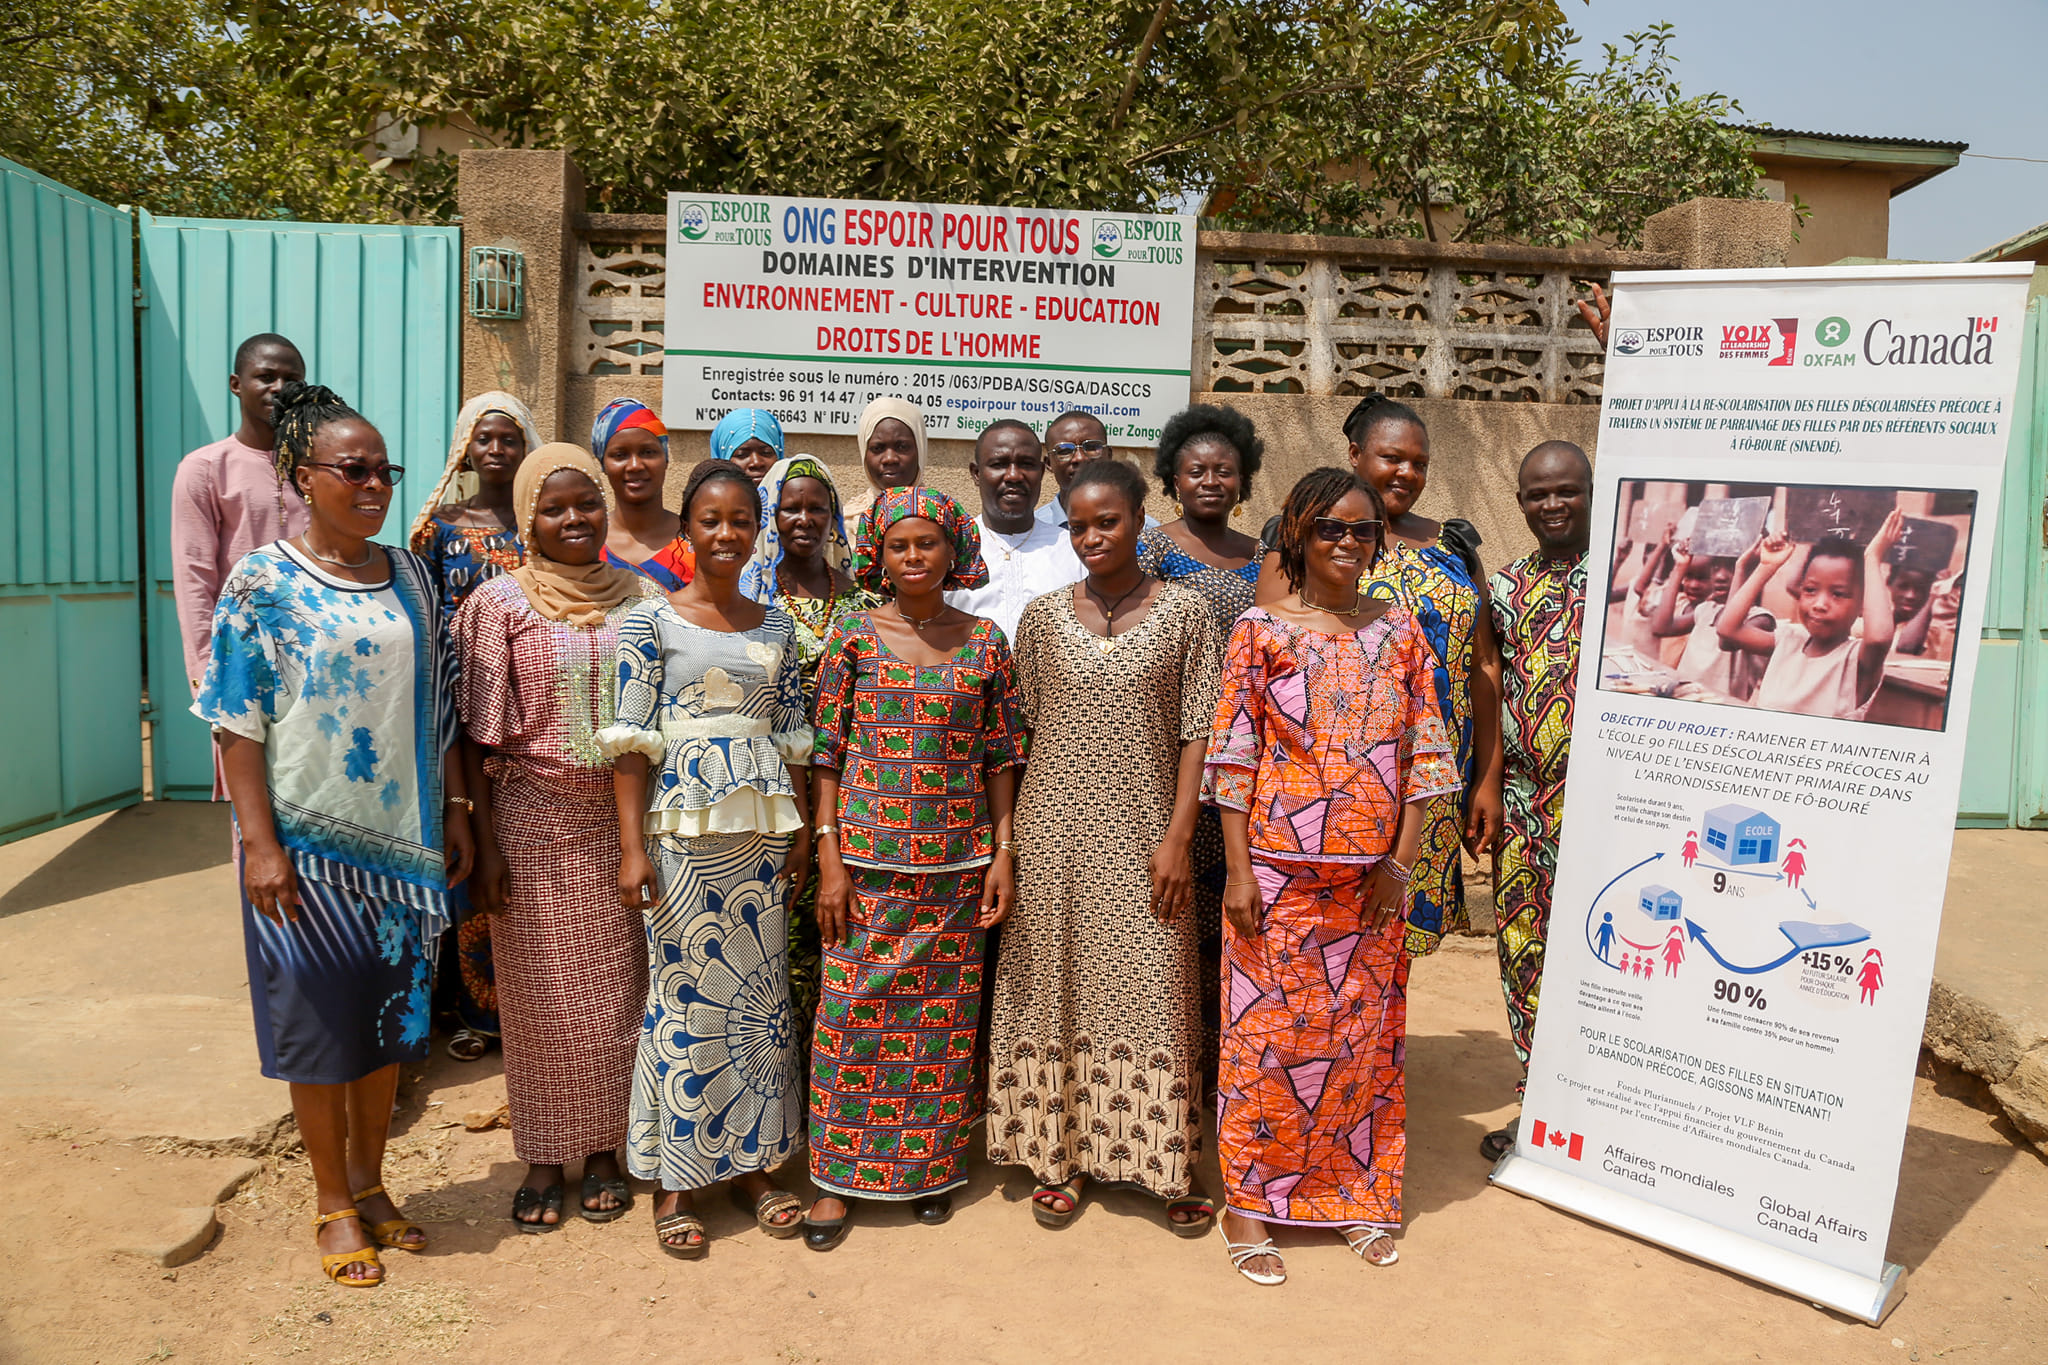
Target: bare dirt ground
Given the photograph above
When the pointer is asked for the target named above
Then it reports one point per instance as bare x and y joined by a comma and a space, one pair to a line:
1484, 1275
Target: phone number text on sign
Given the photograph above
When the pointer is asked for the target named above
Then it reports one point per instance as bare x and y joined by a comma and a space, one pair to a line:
812, 308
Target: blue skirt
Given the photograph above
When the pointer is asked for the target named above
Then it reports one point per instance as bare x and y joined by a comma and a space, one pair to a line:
340, 992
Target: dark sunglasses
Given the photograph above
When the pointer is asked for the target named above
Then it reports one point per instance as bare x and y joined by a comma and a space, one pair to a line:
363, 475
1080, 447
1332, 530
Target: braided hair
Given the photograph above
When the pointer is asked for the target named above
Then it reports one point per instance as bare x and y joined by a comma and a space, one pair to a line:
1319, 491
713, 471
1376, 410
297, 413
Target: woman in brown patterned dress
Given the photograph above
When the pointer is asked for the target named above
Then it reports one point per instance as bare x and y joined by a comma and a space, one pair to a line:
1095, 1037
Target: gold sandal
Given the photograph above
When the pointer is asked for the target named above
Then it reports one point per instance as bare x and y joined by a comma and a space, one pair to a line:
392, 1231
334, 1266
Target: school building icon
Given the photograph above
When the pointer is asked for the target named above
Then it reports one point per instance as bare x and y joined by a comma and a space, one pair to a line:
1740, 836
1660, 903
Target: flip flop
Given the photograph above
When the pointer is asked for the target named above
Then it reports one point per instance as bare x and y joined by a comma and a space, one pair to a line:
616, 1187
1499, 1142
767, 1206
1200, 1205
526, 1200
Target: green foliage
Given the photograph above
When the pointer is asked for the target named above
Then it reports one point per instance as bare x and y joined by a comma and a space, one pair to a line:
267, 107
1555, 156
150, 102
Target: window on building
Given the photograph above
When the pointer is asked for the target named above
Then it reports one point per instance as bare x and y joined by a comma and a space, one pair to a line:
1717, 838
1745, 848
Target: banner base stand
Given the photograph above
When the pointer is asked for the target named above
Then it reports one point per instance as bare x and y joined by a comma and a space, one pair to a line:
1859, 1296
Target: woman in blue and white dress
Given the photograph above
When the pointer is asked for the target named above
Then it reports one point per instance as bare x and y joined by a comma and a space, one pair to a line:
331, 693
710, 720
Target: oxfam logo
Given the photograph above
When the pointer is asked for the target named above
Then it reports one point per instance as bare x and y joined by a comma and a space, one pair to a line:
692, 222
1109, 237
1832, 331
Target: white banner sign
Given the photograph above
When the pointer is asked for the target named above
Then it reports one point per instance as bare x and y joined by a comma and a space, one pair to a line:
812, 308
1766, 755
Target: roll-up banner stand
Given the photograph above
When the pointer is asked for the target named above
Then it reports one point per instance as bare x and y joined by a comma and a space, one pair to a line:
812, 308
1764, 778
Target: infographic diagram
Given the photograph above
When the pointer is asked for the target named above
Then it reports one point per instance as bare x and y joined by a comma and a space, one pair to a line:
1734, 897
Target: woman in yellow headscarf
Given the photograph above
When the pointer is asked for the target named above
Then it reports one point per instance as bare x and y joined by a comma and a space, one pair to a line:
537, 649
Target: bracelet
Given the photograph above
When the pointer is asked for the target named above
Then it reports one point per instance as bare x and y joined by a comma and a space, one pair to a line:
1006, 846
1401, 872
823, 830
463, 802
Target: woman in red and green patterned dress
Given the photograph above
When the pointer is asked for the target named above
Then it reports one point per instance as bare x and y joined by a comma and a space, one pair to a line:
919, 737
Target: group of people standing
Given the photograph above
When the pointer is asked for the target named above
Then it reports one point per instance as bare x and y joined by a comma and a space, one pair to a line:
738, 817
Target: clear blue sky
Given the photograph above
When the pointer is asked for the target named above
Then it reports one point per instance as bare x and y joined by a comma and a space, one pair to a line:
1950, 70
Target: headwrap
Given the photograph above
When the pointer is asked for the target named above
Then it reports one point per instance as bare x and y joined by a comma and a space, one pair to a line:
880, 411
620, 414
576, 595
900, 504
457, 480
742, 425
758, 581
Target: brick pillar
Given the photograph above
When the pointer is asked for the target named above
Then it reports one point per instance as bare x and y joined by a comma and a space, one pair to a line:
527, 201
1723, 234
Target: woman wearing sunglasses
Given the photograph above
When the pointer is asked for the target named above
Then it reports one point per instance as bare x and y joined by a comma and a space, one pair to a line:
331, 693
1433, 569
1327, 747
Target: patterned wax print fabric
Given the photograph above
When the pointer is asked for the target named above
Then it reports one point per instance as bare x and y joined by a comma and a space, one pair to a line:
1322, 737
1539, 614
1312, 1104
893, 1094
351, 691
461, 560
1094, 1033
571, 963
899, 504
1228, 592
720, 716
668, 568
464, 558
1434, 584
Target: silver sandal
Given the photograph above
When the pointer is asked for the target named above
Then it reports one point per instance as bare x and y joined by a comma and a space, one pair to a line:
1362, 1238
1243, 1252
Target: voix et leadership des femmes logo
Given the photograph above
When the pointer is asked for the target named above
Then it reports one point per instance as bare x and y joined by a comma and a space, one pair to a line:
1772, 342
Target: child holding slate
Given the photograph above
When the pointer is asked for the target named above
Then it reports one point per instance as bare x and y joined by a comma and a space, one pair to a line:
1706, 581
1817, 665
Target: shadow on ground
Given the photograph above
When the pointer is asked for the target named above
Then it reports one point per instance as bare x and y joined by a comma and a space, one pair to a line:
139, 844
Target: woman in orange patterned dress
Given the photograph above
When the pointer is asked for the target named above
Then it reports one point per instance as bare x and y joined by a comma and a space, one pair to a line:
1327, 743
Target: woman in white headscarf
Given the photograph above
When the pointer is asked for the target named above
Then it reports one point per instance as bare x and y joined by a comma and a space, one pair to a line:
892, 450
467, 541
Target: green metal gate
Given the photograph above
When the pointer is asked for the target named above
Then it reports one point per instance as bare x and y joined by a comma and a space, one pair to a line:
70, 625
2005, 773
375, 311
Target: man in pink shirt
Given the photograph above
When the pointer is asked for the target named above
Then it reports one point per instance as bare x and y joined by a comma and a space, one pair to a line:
227, 498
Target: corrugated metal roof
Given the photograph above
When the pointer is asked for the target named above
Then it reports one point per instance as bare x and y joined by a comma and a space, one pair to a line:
1859, 139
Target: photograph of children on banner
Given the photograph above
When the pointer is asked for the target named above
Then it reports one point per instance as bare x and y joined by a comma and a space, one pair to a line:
1810, 599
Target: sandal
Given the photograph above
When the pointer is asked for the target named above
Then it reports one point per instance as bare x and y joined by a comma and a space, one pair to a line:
392, 1232
1243, 1252
467, 1045
1042, 1197
334, 1266
1201, 1206
682, 1225
822, 1234
932, 1211
527, 1199
1499, 1142
617, 1188
1362, 1238
767, 1206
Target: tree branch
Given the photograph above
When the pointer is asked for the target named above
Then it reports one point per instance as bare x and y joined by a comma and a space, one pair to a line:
1138, 63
